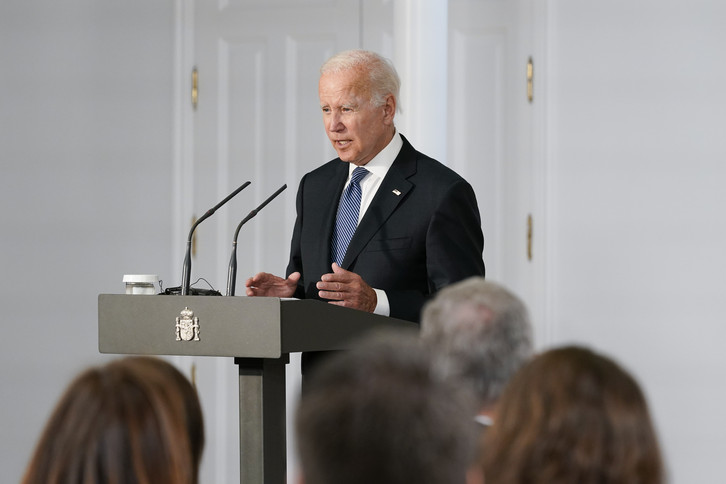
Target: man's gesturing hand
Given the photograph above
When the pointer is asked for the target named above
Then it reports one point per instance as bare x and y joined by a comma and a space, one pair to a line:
264, 284
348, 289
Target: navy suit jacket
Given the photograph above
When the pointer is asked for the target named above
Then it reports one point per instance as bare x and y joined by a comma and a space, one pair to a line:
421, 232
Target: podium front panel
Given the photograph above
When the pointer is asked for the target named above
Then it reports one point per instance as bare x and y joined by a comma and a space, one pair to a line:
211, 326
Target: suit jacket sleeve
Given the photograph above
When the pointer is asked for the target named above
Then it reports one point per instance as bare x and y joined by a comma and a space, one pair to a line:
454, 246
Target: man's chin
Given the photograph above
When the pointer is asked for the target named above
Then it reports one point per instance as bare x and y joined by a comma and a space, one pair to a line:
344, 156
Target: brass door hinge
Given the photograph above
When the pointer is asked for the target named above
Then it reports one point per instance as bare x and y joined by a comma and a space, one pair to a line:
195, 88
530, 79
529, 237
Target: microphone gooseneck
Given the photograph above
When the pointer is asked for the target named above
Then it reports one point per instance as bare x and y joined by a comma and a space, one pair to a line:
232, 270
187, 267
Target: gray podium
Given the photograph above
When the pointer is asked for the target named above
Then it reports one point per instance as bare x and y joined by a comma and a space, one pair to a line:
259, 333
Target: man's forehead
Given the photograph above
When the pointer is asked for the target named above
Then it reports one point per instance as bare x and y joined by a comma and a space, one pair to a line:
342, 87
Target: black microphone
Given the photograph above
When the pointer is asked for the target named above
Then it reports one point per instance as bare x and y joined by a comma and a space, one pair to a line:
232, 271
187, 269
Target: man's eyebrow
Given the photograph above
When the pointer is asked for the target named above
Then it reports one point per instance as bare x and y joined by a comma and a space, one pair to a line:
341, 106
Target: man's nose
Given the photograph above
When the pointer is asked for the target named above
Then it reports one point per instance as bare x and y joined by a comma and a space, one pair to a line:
334, 123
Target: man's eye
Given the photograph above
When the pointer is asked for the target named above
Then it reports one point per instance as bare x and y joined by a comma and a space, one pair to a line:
326, 110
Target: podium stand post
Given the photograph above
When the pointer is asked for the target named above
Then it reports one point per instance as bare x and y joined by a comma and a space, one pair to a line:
262, 420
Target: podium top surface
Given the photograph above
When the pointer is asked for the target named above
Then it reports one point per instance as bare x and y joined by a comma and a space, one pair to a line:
239, 326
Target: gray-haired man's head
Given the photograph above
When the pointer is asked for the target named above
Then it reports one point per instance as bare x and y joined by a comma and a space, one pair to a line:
479, 332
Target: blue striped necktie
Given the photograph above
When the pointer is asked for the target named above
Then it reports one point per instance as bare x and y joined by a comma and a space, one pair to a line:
347, 219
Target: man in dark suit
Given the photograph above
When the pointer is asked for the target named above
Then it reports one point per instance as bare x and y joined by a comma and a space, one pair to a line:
418, 225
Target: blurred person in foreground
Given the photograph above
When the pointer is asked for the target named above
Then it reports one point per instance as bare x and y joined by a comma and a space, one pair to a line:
573, 416
134, 420
480, 334
379, 414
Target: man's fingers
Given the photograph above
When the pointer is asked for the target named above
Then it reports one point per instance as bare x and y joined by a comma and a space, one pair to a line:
332, 277
337, 296
339, 287
341, 277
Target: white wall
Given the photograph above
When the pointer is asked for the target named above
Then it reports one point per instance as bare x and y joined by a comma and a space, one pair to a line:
637, 164
85, 188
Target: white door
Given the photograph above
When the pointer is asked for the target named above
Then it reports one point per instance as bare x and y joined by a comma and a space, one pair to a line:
257, 118
491, 131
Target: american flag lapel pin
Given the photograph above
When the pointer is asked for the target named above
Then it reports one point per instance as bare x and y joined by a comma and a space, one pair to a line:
396, 192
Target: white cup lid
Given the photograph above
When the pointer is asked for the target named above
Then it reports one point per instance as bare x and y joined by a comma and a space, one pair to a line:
141, 278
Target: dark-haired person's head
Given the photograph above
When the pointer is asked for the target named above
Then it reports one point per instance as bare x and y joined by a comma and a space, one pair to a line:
379, 414
573, 416
134, 420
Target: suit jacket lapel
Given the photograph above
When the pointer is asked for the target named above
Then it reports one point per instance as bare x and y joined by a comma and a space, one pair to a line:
326, 199
393, 190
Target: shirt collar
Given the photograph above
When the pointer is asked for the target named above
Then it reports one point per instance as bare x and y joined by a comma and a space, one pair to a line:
380, 163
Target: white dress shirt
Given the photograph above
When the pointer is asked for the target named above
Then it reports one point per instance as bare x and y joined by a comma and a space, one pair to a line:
378, 168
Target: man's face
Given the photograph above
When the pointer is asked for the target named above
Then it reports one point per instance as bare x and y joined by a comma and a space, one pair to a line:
357, 129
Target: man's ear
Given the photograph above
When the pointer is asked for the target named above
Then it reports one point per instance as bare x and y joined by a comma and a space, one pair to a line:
389, 109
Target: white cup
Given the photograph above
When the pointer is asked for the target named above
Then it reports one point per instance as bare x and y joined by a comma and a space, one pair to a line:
141, 283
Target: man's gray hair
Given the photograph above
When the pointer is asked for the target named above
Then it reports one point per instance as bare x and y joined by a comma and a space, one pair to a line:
382, 76
479, 332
